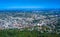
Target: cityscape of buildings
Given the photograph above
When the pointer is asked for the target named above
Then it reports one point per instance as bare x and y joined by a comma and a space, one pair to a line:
40, 20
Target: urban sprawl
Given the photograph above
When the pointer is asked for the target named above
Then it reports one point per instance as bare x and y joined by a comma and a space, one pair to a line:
40, 20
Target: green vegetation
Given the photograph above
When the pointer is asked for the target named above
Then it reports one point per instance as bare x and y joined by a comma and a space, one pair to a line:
25, 33
48, 34
17, 33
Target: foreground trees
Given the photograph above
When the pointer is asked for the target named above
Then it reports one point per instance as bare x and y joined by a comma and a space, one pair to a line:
25, 33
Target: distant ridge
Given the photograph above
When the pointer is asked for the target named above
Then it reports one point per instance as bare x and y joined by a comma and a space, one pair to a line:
29, 9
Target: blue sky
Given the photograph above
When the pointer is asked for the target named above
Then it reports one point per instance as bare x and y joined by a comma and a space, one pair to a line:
15, 4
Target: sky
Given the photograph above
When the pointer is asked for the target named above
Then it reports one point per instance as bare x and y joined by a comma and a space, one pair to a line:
16, 4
